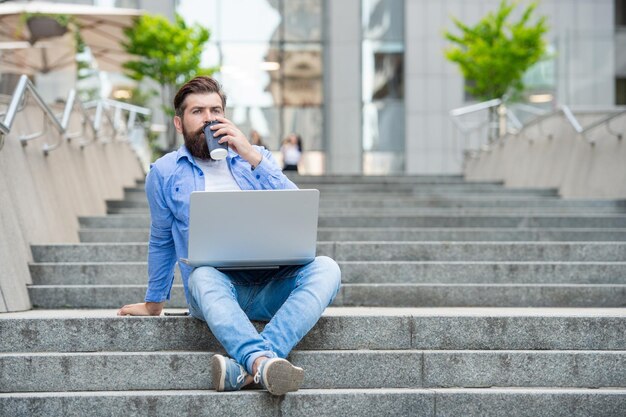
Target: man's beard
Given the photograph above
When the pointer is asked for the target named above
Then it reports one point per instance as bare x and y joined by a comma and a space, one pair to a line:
196, 143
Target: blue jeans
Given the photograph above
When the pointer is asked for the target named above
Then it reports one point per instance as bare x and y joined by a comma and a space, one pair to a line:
292, 299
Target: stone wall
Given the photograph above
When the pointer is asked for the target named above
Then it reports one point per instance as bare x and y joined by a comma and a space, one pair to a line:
551, 154
41, 196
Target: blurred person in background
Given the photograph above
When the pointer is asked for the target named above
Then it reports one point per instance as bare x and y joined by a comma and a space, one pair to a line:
292, 152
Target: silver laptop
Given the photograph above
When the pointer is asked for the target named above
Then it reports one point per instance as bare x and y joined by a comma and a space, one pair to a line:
252, 229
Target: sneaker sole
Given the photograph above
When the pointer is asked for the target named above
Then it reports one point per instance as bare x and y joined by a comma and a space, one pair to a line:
218, 365
282, 377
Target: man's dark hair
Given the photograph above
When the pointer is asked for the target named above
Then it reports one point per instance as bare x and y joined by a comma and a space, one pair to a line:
198, 85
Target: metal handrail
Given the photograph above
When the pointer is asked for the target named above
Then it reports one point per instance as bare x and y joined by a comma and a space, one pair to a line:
465, 129
17, 104
4, 130
569, 115
132, 110
538, 121
23, 86
72, 103
473, 108
97, 121
521, 128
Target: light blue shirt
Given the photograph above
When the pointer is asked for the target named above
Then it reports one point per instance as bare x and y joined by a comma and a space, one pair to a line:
169, 184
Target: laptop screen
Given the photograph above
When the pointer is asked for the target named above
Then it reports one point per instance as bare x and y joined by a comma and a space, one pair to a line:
252, 228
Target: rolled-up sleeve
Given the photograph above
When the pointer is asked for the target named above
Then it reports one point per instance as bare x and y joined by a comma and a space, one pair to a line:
161, 248
269, 175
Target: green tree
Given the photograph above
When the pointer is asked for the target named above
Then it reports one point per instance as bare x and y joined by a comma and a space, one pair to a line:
168, 53
494, 54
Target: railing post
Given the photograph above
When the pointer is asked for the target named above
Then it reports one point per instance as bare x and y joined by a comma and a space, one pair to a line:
502, 127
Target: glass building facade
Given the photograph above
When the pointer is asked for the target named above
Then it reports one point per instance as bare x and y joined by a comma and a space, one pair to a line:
270, 65
383, 86
365, 82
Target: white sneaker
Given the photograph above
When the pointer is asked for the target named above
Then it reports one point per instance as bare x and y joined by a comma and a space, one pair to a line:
279, 376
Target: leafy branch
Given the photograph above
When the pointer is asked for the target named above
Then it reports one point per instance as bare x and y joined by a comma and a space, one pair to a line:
494, 54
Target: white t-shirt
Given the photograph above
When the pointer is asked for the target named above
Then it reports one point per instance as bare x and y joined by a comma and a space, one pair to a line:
291, 154
217, 175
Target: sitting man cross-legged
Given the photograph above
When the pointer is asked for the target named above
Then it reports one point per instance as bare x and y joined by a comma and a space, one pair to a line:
291, 298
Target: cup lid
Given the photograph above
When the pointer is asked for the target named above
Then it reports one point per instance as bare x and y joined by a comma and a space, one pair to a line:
219, 153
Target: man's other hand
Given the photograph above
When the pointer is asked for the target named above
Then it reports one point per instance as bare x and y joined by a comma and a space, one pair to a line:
141, 309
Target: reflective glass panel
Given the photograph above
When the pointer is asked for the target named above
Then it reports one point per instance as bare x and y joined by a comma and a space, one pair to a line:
620, 13
245, 76
265, 120
308, 123
383, 126
383, 71
383, 20
249, 20
620, 91
302, 20
270, 58
301, 69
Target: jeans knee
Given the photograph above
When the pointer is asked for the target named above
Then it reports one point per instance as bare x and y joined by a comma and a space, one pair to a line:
202, 276
331, 272
194, 279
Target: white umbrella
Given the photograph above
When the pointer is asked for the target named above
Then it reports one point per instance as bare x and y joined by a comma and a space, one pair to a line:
100, 27
46, 55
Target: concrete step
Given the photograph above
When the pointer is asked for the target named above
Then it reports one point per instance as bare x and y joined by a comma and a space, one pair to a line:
427, 221
384, 179
464, 234
368, 295
439, 402
372, 251
361, 272
465, 202
483, 272
416, 202
359, 360
491, 221
402, 186
437, 196
416, 187
442, 189
429, 211
119, 371
482, 295
403, 234
395, 192
543, 329
411, 188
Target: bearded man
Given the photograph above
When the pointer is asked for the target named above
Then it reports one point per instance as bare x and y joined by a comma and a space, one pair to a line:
291, 299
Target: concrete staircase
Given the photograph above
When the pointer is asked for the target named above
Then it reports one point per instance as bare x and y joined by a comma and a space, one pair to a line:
458, 299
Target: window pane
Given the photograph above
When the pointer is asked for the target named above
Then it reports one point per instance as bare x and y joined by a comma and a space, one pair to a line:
247, 20
301, 69
620, 91
246, 77
383, 20
270, 58
620, 13
383, 71
302, 20
383, 126
205, 14
308, 123
265, 120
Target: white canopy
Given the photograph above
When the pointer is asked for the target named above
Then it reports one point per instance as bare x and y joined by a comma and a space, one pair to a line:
100, 27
